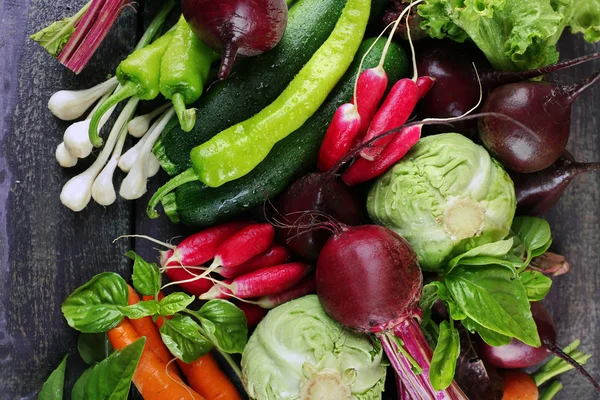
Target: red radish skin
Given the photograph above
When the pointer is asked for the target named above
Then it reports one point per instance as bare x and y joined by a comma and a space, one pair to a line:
364, 170
395, 111
307, 286
201, 247
195, 287
246, 27
274, 256
254, 314
263, 282
370, 89
368, 278
246, 243
340, 136
424, 84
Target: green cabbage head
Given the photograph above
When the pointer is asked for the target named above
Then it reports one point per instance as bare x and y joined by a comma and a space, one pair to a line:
299, 352
445, 196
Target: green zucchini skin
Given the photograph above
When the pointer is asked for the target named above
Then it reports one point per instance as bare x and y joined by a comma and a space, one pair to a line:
197, 205
255, 83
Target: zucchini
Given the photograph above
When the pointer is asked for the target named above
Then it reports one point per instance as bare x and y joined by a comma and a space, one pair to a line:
256, 82
198, 205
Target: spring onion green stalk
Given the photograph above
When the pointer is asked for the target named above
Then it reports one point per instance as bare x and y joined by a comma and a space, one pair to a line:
138, 126
128, 158
103, 189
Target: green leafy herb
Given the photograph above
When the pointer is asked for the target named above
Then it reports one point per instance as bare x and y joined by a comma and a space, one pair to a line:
95, 306
431, 292
174, 303
141, 309
94, 347
146, 276
181, 335
534, 233
443, 363
224, 324
490, 250
489, 296
54, 385
111, 377
490, 337
537, 285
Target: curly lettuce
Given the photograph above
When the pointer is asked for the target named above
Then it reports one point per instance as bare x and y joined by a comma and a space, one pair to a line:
513, 34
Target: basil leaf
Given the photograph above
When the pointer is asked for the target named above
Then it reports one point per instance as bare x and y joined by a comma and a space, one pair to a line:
111, 378
431, 292
146, 276
174, 303
54, 385
94, 347
491, 298
225, 325
490, 337
443, 363
495, 250
456, 313
534, 233
182, 337
537, 285
141, 309
94, 307
78, 391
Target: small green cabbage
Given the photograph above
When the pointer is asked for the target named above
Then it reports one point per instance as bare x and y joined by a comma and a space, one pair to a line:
445, 196
299, 352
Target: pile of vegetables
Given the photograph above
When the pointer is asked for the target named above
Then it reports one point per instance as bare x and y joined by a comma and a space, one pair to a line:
440, 275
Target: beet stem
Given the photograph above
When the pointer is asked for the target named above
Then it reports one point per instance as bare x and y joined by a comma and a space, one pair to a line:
561, 354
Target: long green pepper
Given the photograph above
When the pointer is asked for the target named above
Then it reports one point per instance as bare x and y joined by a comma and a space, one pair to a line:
183, 72
237, 150
138, 75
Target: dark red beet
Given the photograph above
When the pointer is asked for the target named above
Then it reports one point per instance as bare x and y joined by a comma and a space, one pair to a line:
456, 89
247, 27
517, 354
542, 107
311, 200
540, 191
392, 13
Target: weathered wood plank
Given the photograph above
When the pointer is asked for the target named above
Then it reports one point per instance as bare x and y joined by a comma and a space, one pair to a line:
51, 250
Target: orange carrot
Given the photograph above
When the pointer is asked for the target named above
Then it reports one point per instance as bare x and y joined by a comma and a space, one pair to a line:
150, 377
204, 374
145, 327
519, 386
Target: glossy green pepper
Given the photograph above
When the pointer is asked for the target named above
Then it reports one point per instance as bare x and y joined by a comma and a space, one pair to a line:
138, 75
183, 72
237, 150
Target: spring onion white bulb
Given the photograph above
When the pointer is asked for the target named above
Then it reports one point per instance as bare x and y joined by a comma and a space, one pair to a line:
138, 126
128, 158
64, 157
77, 192
153, 165
71, 104
135, 183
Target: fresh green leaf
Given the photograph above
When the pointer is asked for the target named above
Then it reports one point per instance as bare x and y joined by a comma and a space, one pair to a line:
54, 385
489, 296
490, 250
443, 363
111, 377
174, 303
94, 347
537, 285
225, 325
534, 233
146, 276
141, 309
94, 307
455, 311
582, 16
431, 292
181, 335
78, 391
490, 337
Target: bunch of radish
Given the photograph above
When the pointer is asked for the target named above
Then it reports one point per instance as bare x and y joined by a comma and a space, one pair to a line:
253, 268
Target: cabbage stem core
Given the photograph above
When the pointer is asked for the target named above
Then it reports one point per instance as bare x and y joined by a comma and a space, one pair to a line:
463, 218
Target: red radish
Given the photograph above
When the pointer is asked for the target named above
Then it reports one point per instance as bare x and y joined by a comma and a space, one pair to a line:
363, 170
424, 84
542, 107
370, 89
274, 256
368, 279
306, 286
247, 27
340, 136
202, 246
395, 111
263, 282
187, 281
254, 314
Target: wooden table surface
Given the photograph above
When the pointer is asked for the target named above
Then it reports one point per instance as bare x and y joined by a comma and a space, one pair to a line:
46, 250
